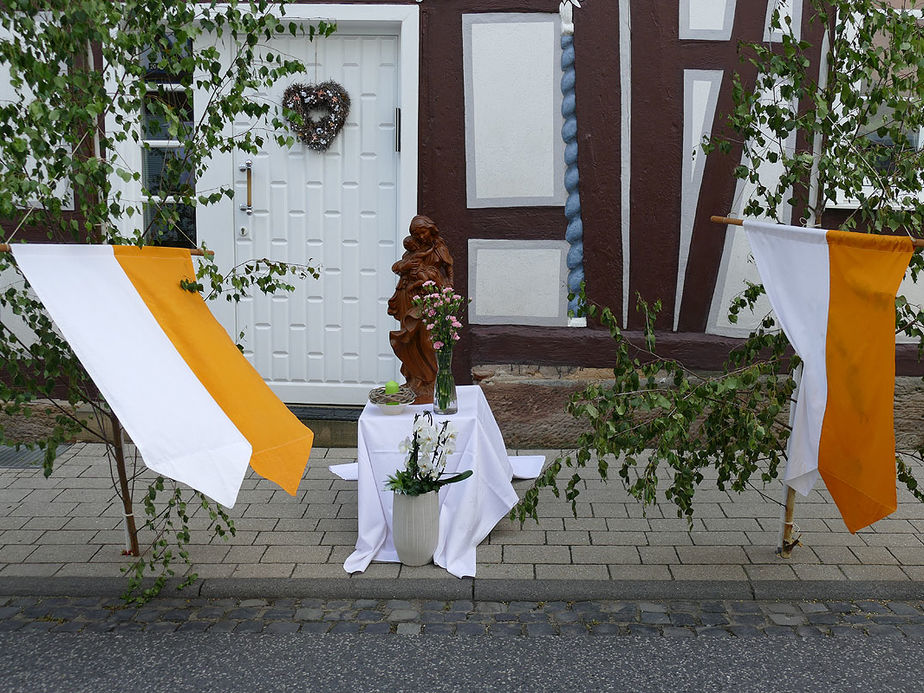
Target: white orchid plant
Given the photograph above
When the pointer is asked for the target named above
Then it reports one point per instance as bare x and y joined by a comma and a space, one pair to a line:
425, 465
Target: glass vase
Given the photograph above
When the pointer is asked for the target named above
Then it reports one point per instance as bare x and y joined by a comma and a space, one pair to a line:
444, 389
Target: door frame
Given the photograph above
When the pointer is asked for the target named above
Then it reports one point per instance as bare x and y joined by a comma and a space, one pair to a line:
405, 19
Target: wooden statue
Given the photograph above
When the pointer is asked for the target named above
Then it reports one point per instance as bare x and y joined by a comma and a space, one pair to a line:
426, 257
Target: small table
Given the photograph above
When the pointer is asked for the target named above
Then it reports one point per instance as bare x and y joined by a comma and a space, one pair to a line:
469, 509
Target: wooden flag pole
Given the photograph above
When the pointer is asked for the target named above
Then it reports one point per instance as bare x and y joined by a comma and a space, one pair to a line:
5, 248
726, 220
131, 529
125, 492
786, 542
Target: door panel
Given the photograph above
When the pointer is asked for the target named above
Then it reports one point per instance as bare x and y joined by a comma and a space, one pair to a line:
327, 342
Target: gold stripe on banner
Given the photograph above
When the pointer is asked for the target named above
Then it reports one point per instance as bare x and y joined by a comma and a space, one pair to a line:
856, 455
281, 443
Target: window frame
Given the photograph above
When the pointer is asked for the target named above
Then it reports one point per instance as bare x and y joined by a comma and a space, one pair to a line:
130, 155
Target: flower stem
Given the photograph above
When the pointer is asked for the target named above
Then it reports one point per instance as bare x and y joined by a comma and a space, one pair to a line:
444, 394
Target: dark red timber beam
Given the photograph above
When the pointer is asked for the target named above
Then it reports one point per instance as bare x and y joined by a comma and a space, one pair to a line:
718, 189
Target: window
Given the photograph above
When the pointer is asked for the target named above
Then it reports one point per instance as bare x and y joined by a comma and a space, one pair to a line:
166, 174
888, 118
894, 132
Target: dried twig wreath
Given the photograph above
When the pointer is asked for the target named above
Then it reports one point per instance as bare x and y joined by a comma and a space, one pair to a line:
303, 99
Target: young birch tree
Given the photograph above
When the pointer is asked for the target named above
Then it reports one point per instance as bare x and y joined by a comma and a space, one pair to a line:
72, 66
863, 122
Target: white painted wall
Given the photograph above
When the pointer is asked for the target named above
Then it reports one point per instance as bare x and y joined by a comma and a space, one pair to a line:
10, 278
23, 95
517, 283
707, 14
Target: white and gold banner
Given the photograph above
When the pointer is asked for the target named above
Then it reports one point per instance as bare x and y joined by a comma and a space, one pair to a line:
195, 408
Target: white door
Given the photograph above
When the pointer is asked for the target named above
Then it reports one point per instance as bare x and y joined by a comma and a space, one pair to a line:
326, 342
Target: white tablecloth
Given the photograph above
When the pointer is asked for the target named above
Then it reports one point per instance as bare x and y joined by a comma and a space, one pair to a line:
469, 509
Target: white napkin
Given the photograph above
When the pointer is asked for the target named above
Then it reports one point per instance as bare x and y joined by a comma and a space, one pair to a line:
526, 466
347, 472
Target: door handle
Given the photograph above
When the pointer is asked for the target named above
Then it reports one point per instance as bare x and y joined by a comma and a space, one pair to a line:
248, 167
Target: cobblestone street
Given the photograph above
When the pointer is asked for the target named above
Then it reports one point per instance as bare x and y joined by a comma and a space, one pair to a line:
670, 619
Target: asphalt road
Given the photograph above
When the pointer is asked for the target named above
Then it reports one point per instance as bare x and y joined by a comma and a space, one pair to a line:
308, 662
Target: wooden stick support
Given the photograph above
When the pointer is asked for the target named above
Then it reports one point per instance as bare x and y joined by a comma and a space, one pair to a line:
788, 543
732, 221
726, 220
5, 248
130, 528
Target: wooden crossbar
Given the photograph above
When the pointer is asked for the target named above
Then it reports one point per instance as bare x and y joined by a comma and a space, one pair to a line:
918, 243
5, 248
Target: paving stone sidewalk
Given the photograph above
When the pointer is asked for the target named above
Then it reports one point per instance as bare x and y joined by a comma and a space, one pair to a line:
670, 619
68, 528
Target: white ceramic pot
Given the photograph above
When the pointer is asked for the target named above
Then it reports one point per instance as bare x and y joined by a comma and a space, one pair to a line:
416, 526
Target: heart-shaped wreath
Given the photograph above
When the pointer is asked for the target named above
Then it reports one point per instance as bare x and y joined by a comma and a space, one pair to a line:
305, 99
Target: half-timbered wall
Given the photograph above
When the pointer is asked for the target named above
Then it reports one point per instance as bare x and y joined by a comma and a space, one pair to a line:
651, 79
544, 161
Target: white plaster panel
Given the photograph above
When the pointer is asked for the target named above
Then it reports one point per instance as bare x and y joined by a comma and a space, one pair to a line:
518, 282
736, 268
511, 71
703, 94
788, 8
707, 14
706, 20
700, 96
513, 144
625, 162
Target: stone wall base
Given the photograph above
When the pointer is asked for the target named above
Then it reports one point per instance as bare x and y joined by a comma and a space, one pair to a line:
529, 403
30, 429
909, 412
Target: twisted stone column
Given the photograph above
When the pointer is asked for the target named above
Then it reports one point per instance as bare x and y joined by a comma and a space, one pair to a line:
575, 231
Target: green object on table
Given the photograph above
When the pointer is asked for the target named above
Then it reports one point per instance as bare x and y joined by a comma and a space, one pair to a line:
391, 388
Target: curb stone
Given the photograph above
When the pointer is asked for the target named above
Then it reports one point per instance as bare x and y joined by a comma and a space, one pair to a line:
480, 589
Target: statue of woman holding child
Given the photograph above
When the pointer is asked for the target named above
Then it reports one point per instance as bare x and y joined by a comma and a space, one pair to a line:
426, 258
